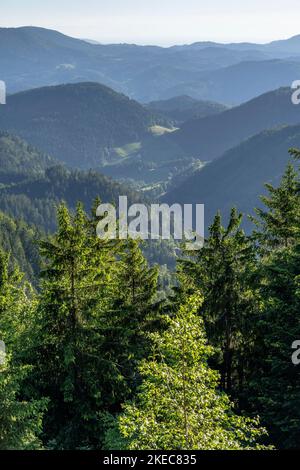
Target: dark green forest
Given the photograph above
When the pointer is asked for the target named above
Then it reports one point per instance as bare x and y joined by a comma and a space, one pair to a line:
96, 356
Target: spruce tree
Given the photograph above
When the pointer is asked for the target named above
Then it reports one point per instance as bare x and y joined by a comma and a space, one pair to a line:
274, 385
222, 270
67, 351
133, 313
279, 224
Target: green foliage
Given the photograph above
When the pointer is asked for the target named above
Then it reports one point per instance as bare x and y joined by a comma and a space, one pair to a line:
178, 405
222, 272
21, 421
67, 335
21, 241
89, 330
132, 314
16, 298
105, 354
273, 388
280, 224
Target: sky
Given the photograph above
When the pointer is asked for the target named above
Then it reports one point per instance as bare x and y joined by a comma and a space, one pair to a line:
161, 22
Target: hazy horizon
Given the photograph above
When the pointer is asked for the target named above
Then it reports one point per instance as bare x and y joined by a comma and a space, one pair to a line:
157, 23
92, 39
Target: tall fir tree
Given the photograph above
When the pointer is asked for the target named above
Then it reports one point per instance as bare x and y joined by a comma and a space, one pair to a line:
133, 313
67, 351
273, 387
279, 224
222, 271
273, 384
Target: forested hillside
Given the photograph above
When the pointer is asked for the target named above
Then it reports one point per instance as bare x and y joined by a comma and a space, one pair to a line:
33, 184
112, 366
19, 160
210, 137
78, 124
237, 178
36, 199
182, 108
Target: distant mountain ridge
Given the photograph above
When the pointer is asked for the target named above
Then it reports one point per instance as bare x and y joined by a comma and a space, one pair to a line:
34, 57
281, 44
242, 81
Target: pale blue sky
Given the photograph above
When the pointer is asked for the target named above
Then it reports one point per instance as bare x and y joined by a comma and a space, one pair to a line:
161, 22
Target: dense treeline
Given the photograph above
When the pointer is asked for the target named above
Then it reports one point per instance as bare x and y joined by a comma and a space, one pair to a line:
98, 358
35, 200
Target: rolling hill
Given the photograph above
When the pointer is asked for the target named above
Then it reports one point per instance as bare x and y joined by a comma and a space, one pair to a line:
208, 138
79, 124
238, 177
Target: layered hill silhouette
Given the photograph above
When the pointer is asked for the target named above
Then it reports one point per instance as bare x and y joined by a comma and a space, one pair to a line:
241, 82
79, 124
238, 177
208, 138
35, 57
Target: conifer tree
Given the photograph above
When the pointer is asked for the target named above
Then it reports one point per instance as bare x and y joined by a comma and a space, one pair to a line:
178, 405
279, 225
273, 388
133, 313
222, 272
274, 385
137, 282
94, 306
67, 352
